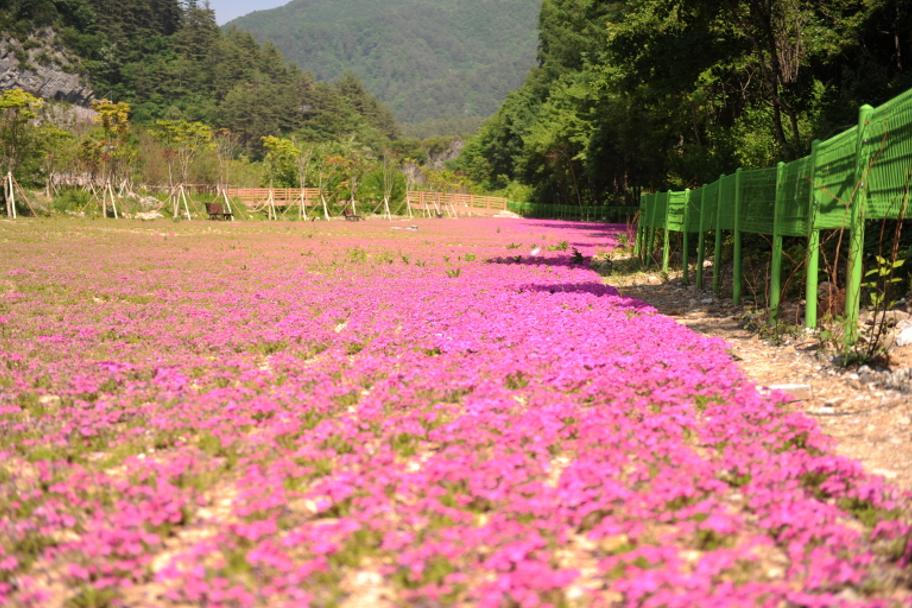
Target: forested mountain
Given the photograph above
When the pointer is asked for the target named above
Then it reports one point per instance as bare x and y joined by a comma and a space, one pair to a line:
662, 93
442, 63
168, 59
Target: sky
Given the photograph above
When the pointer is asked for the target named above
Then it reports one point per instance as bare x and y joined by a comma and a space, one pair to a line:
226, 10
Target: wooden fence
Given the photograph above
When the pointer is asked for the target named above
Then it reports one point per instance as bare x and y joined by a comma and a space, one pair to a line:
281, 197
429, 203
443, 202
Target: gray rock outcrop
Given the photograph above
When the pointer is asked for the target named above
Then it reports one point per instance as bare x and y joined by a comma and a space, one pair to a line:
42, 70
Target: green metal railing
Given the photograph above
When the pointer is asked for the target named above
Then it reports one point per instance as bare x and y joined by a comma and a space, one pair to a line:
592, 213
861, 174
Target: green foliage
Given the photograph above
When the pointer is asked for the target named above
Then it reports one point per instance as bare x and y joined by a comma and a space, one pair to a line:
441, 65
658, 94
881, 283
72, 200
183, 140
18, 137
169, 60
280, 161
380, 179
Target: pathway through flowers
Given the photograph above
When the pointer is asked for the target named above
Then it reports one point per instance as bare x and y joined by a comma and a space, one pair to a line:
339, 414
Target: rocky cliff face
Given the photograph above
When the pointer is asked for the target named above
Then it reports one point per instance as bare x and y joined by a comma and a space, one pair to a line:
42, 69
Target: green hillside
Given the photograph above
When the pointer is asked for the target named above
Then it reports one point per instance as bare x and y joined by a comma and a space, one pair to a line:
442, 63
169, 59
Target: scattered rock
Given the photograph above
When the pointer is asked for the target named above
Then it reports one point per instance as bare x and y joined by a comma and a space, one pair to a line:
904, 333
49, 400
801, 392
897, 317
885, 473
821, 411
148, 216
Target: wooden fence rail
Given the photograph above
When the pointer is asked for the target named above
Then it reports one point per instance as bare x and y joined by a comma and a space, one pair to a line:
444, 203
282, 197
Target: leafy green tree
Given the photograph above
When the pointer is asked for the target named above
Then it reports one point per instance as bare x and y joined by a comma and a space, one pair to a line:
660, 93
384, 182
59, 150
281, 161
183, 141
17, 133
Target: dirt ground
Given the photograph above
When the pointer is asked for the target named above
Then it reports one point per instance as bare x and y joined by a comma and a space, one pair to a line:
869, 422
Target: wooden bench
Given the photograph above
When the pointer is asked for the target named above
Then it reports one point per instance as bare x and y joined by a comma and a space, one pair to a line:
217, 211
351, 217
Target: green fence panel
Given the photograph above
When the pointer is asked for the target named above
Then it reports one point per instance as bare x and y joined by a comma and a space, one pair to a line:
796, 194
834, 180
645, 208
710, 204
888, 151
758, 199
726, 209
693, 210
863, 173
660, 209
676, 204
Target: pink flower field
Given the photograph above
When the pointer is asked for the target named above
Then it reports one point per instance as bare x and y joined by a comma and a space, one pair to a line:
339, 414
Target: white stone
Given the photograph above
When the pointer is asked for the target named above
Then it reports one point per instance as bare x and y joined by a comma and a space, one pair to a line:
148, 216
798, 391
904, 334
368, 578
885, 473
49, 400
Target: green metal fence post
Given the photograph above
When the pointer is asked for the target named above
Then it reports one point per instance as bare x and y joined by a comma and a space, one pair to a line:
813, 253
666, 237
736, 258
717, 251
685, 241
856, 239
776, 258
701, 239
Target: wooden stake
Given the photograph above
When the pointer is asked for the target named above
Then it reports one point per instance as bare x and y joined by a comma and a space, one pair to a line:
9, 196
109, 191
22, 195
227, 202
270, 202
175, 203
104, 201
183, 194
